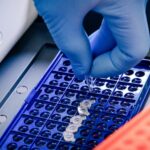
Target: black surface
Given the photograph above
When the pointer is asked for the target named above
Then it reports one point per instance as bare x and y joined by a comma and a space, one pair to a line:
93, 20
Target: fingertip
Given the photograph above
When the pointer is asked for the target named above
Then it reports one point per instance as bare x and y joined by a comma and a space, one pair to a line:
81, 70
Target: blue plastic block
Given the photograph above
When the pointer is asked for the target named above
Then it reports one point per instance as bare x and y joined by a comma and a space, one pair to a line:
55, 99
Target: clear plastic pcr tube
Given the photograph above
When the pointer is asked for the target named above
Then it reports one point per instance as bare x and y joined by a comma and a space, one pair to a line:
90, 82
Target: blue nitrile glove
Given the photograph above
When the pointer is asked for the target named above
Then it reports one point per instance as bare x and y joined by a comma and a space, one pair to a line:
120, 43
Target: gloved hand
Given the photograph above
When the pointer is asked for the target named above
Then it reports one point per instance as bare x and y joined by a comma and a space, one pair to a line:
120, 43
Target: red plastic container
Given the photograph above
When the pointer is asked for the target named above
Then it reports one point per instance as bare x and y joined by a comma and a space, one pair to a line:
135, 135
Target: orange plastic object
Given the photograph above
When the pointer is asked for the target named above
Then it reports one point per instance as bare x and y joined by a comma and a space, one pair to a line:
134, 135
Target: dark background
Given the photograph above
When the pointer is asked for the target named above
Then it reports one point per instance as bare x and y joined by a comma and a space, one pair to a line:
93, 20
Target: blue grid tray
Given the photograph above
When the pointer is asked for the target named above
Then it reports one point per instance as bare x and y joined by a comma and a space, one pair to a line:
48, 109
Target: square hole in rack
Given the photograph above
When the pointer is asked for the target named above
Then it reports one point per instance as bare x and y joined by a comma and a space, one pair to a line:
50, 94
64, 66
122, 106
43, 143
73, 97
29, 125
53, 129
128, 91
60, 79
104, 83
41, 109
135, 76
19, 141
66, 146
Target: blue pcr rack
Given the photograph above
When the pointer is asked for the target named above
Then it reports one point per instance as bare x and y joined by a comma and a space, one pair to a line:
47, 110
